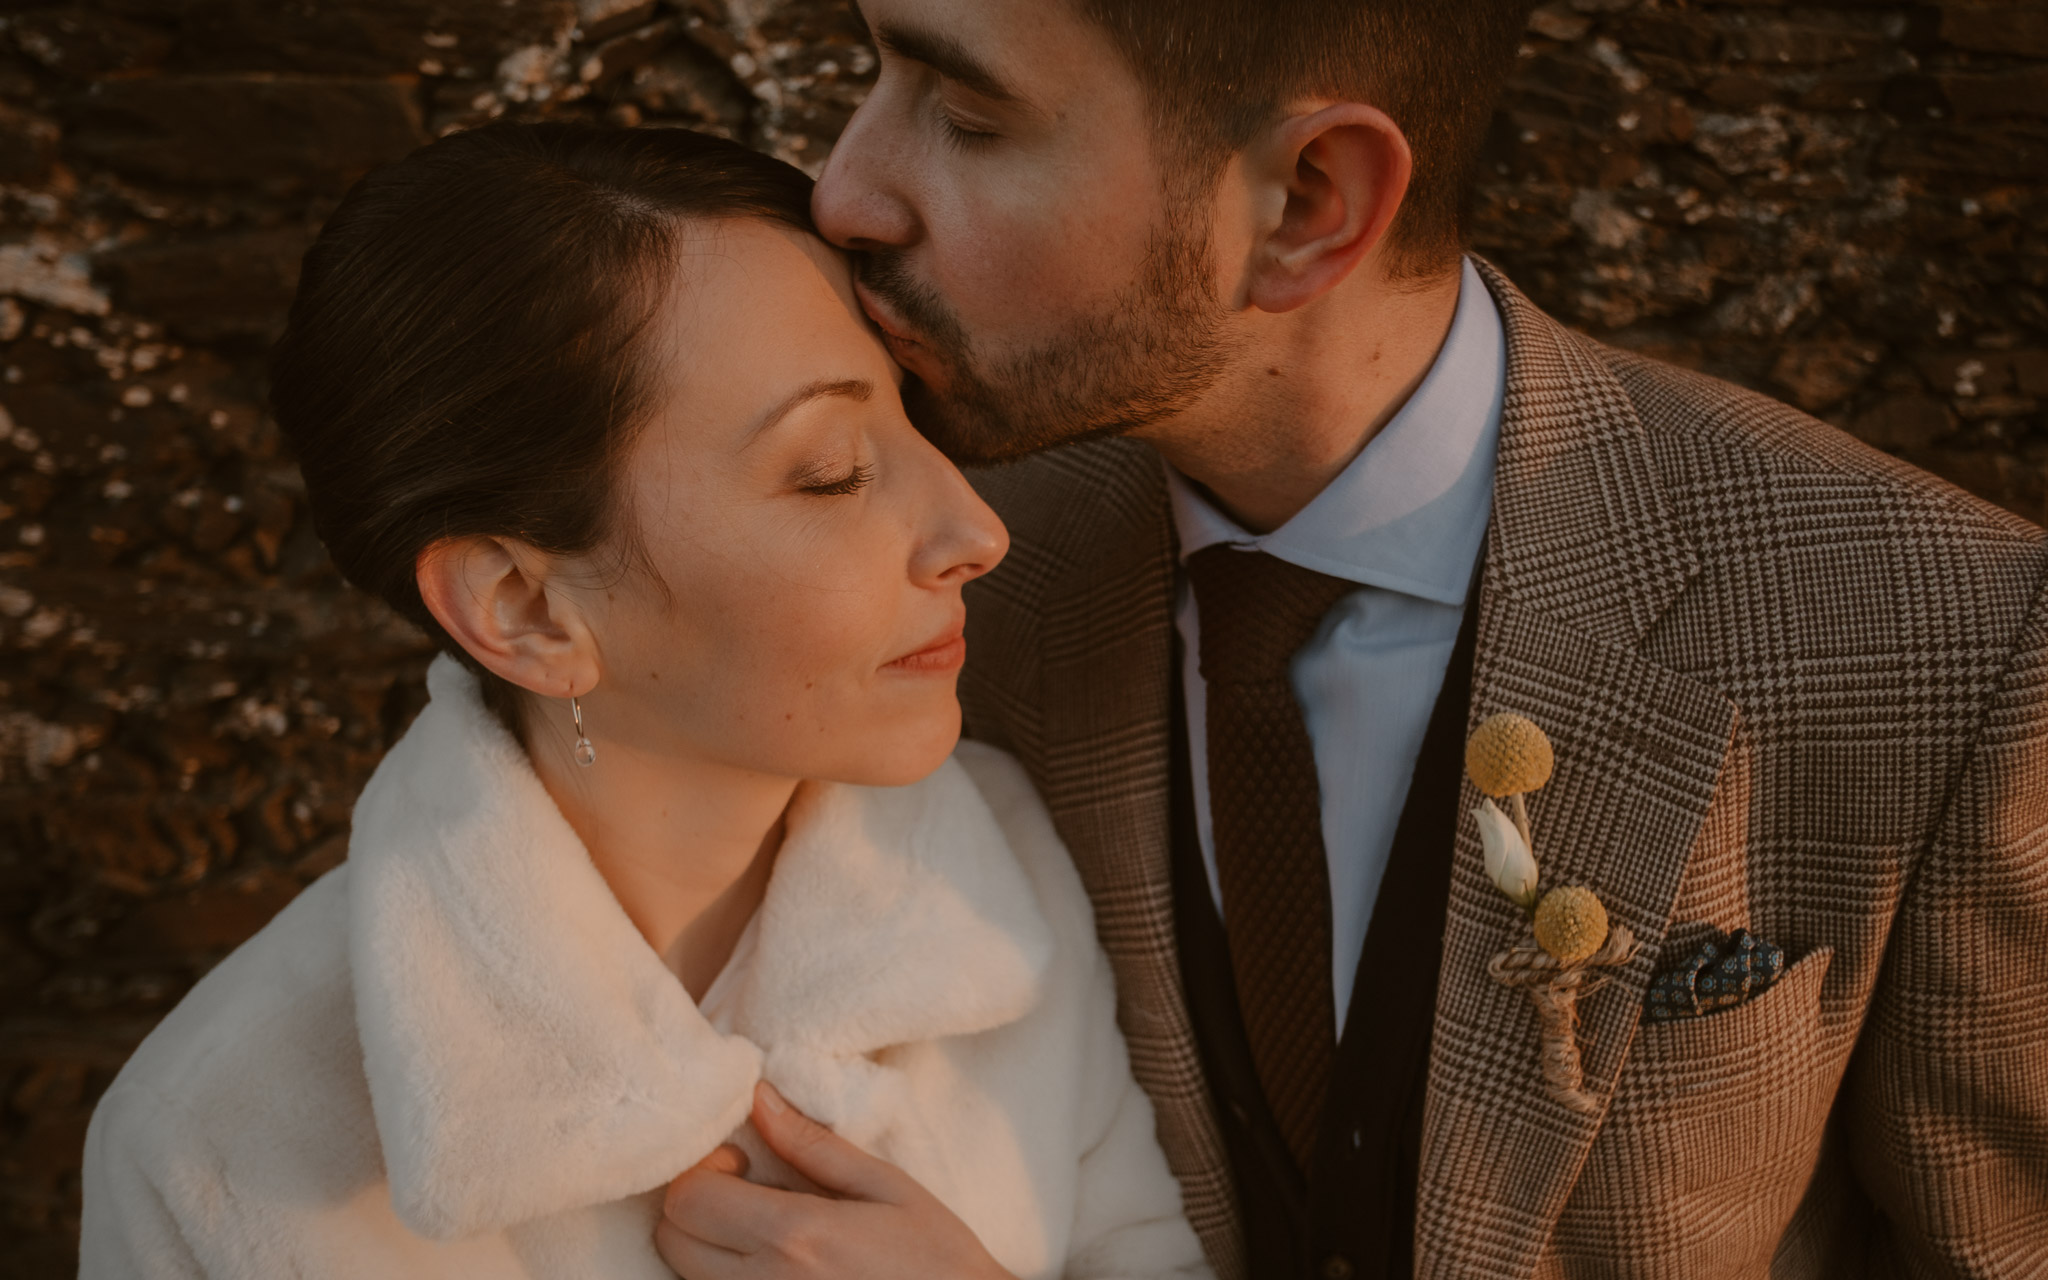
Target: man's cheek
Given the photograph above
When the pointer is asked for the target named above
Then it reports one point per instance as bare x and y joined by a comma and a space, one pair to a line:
1007, 263
1046, 276
1024, 293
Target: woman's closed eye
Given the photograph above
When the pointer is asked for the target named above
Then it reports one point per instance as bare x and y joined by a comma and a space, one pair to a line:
849, 482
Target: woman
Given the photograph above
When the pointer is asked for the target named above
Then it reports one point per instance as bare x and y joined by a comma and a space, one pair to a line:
684, 815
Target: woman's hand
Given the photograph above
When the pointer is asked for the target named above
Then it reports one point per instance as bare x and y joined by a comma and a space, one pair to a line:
879, 1225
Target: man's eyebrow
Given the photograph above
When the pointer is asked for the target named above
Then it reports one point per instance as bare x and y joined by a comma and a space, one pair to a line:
851, 388
947, 56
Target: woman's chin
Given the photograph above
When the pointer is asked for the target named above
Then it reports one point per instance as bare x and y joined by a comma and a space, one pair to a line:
909, 754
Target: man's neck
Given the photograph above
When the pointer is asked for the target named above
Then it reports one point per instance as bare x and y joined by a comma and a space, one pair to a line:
1306, 394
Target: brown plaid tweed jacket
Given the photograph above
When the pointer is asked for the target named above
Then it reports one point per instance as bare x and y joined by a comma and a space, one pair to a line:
1794, 684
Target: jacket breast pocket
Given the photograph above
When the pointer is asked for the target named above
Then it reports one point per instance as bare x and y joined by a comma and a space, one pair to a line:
1733, 1088
1713, 1133
1736, 1056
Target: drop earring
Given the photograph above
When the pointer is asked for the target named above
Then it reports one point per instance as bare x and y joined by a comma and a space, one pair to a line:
586, 755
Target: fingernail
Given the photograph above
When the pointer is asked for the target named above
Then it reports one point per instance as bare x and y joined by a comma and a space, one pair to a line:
771, 1099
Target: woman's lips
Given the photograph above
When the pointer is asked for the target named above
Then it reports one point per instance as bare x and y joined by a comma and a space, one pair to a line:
947, 654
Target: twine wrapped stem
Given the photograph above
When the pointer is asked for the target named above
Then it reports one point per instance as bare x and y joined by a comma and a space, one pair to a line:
1555, 989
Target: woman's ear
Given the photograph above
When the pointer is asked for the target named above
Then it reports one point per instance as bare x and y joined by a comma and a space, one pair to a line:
495, 598
1332, 180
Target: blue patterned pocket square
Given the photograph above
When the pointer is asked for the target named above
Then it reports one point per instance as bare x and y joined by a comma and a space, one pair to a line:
1720, 972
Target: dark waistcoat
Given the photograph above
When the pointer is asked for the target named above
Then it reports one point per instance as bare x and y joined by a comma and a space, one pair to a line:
1353, 1215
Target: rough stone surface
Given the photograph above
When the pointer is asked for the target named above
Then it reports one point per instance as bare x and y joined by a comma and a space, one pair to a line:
247, 127
211, 286
1842, 202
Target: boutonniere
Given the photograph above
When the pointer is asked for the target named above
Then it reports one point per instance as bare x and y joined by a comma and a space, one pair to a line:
1507, 758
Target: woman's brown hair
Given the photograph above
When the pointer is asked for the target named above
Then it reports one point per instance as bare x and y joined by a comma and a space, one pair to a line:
466, 353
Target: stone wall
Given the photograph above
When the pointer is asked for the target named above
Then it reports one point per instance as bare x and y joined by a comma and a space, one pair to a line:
1845, 204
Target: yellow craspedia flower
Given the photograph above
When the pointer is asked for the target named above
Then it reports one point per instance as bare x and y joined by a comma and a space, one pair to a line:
1508, 755
1570, 923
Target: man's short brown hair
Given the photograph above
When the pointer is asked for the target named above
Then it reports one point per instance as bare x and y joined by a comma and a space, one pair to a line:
1217, 71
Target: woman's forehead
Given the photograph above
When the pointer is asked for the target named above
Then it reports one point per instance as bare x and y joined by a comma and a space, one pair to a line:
756, 312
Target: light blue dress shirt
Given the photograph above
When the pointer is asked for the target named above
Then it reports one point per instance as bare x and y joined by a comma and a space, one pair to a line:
1405, 521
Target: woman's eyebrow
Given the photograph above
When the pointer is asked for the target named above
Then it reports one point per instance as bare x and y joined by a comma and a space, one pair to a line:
851, 388
947, 56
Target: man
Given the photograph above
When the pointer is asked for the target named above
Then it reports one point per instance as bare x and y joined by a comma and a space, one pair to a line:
1325, 494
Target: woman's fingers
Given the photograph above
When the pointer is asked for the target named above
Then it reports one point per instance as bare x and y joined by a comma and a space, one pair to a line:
822, 1155
716, 1227
730, 1159
722, 1210
694, 1259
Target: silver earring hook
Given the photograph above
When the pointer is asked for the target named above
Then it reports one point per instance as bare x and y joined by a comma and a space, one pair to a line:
586, 754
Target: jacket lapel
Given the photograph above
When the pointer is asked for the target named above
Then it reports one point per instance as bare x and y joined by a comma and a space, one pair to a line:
1583, 559
1088, 595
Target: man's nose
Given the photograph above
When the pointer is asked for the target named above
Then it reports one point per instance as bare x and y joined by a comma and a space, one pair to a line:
857, 202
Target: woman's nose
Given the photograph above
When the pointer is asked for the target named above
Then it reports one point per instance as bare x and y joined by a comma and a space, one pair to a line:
966, 538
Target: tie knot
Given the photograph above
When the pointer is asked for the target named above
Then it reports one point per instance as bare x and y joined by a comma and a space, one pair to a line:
1256, 611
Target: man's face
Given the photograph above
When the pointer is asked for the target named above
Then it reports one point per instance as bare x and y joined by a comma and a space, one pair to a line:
1014, 240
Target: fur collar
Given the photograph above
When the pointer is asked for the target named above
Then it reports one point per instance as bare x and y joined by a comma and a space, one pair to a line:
528, 1053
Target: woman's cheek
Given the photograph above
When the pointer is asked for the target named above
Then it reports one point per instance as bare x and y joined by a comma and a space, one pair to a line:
818, 655
779, 647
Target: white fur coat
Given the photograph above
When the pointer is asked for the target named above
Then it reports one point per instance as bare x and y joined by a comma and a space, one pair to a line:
454, 1056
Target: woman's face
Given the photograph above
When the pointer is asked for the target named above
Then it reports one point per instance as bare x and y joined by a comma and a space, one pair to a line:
797, 610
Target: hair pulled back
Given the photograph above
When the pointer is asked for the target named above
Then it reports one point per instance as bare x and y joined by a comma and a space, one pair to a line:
466, 352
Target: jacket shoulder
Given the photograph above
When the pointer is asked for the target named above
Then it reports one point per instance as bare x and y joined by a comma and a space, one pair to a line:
1069, 501
1699, 425
1092, 517
1827, 554
292, 972
263, 1051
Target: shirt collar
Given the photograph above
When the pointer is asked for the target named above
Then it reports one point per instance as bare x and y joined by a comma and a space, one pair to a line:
1409, 511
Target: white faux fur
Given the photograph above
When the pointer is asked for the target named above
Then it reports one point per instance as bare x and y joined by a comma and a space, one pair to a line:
455, 1056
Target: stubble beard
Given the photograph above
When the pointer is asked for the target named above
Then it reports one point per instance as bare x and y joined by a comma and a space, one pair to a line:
1156, 350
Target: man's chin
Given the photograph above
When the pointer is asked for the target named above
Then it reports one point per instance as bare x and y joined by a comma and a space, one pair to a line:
974, 433
962, 435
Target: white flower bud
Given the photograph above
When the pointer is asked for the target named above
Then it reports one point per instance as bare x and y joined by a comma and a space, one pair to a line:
1509, 862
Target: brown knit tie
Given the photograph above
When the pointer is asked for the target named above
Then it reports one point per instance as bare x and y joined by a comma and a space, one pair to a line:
1256, 612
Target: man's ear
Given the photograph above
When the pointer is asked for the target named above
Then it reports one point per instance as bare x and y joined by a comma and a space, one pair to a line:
1331, 182
494, 597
